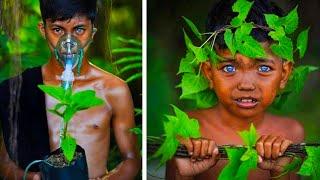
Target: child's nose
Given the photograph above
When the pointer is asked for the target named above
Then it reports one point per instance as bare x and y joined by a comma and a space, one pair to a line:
246, 85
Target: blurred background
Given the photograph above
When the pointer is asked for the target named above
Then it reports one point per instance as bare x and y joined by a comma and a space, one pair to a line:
166, 47
117, 46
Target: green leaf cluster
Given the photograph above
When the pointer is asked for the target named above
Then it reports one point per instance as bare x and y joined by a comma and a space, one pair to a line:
179, 125
69, 104
241, 160
193, 84
311, 166
132, 61
281, 28
237, 37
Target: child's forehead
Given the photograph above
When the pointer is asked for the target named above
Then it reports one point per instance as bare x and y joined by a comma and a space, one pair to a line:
75, 20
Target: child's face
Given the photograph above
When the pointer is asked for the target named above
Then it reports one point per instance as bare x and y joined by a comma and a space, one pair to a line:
79, 26
245, 87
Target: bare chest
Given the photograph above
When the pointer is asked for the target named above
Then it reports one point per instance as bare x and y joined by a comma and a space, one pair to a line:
86, 126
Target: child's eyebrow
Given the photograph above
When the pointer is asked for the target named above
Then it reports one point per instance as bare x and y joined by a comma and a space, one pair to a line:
79, 26
265, 60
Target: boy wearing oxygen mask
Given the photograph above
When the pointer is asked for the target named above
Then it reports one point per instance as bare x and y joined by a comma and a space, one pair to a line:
68, 28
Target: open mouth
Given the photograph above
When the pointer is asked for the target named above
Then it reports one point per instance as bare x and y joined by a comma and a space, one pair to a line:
246, 102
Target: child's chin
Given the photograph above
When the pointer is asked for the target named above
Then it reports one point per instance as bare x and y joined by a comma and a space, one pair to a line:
247, 113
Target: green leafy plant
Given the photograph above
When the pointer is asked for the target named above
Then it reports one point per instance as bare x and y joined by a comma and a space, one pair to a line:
69, 104
311, 166
178, 125
238, 39
130, 62
241, 160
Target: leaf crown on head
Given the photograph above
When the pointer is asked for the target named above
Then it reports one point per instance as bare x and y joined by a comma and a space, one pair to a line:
237, 37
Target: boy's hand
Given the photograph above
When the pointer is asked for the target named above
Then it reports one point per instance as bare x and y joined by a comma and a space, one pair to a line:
270, 150
203, 153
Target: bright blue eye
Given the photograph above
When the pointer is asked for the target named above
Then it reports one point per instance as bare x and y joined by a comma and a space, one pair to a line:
264, 68
229, 69
79, 30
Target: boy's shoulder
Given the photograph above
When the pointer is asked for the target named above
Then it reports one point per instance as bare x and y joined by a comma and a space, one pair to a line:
108, 79
289, 127
109, 84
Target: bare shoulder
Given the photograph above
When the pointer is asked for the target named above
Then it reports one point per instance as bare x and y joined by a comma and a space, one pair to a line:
202, 115
292, 128
108, 79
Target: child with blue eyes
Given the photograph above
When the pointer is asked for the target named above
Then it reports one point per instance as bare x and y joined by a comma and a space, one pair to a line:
245, 88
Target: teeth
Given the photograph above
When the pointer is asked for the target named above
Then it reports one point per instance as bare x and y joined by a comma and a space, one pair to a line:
247, 100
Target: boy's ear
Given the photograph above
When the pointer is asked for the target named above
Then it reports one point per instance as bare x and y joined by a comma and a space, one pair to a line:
206, 68
286, 72
42, 29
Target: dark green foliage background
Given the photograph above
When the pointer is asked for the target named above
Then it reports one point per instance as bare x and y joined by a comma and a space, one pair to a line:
116, 18
166, 47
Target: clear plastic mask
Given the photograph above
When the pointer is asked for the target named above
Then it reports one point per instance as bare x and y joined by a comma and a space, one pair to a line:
69, 51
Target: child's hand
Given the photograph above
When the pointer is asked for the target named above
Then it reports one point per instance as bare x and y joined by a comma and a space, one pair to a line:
204, 153
270, 150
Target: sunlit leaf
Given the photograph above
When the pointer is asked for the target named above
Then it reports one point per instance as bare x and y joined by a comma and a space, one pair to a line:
193, 27
68, 146
302, 42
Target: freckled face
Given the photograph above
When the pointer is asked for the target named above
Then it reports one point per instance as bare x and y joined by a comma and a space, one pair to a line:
79, 26
246, 87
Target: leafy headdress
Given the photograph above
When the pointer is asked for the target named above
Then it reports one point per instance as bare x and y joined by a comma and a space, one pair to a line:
237, 37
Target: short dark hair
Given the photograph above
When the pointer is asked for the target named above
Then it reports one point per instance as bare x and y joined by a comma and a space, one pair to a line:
221, 15
67, 9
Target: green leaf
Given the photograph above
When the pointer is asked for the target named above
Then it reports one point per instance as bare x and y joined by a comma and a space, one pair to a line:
55, 112
230, 170
283, 49
187, 64
302, 42
193, 27
134, 77
68, 146
199, 53
136, 130
247, 165
68, 114
85, 99
273, 21
278, 34
242, 7
130, 67
311, 166
127, 50
251, 48
188, 127
192, 83
138, 111
129, 41
178, 125
128, 59
249, 137
56, 92
229, 39
291, 21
